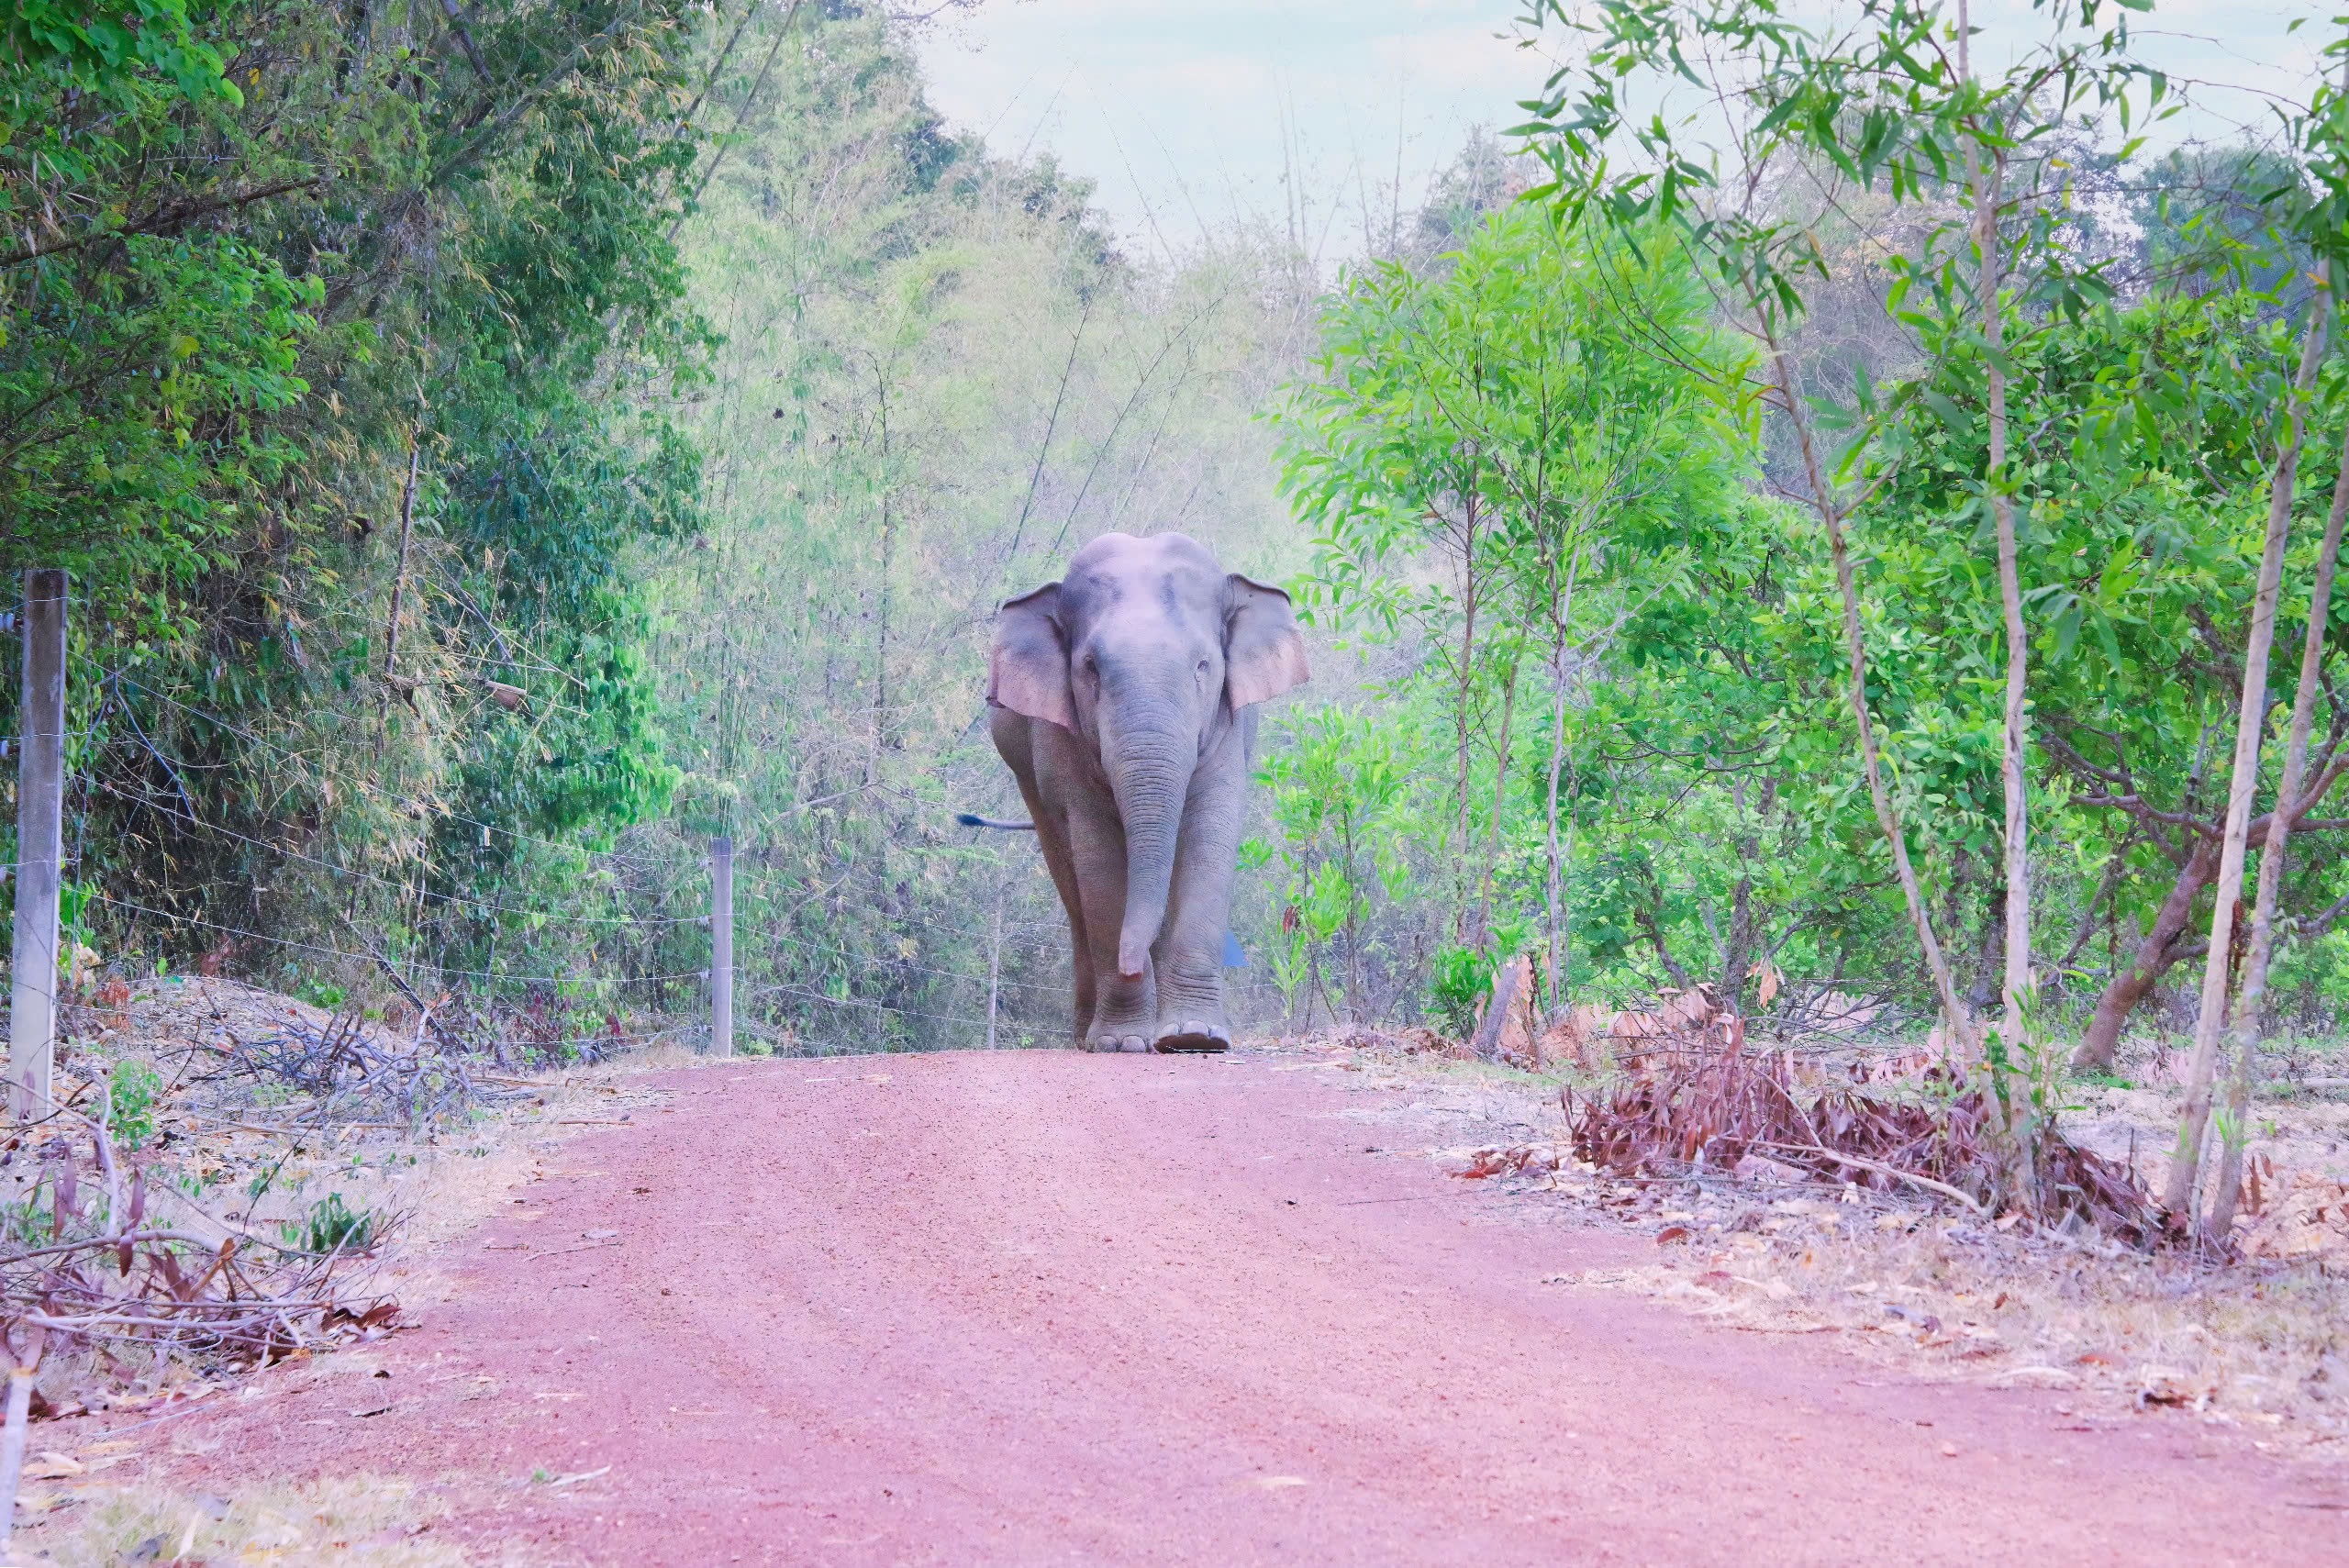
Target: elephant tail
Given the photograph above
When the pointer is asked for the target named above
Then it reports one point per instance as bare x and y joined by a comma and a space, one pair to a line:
972, 819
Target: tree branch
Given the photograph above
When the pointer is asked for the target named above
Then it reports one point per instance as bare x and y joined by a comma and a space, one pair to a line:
165, 218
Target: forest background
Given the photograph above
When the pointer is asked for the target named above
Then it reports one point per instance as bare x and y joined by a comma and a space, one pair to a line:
499, 449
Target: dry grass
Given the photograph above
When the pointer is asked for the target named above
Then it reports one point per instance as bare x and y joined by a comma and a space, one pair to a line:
435, 1186
353, 1522
243, 1155
1921, 1287
2250, 1345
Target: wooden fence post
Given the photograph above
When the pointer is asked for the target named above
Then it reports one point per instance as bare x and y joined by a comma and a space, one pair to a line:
41, 845
721, 946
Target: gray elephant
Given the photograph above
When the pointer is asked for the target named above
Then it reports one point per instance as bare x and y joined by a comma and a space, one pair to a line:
1123, 698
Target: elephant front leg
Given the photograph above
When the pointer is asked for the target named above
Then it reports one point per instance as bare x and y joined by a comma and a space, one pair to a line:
1124, 1008
1188, 956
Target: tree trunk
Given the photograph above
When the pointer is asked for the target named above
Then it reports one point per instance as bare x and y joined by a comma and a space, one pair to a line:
400, 586
1354, 931
1855, 651
1506, 983
2185, 1161
881, 647
1560, 626
21, 1368
1500, 801
2153, 959
1645, 915
1737, 953
1554, 889
995, 957
1739, 945
1990, 955
2253, 996
2153, 955
2015, 991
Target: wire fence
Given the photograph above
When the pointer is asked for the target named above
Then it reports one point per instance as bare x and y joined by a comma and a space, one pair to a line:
831, 995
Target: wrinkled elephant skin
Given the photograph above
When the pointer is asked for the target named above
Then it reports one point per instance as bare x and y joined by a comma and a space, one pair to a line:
1123, 698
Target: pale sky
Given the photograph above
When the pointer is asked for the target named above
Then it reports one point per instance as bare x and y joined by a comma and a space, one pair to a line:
1188, 114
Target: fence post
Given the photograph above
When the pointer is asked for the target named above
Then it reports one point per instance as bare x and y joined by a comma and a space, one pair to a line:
40, 844
721, 946
994, 960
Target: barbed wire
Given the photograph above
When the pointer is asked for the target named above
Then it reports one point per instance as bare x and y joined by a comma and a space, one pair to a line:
872, 961
498, 908
116, 679
441, 970
750, 874
361, 782
875, 961
807, 994
794, 990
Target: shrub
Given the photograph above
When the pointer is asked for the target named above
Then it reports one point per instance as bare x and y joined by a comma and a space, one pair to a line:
332, 1227
1458, 981
132, 1089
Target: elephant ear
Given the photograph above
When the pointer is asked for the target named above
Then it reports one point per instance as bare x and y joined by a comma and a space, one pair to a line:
1028, 665
1264, 653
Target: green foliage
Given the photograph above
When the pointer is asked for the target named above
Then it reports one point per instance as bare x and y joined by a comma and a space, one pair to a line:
393, 319
332, 1226
482, 484
108, 54
1503, 458
1459, 980
132, 1089
2144, 388
1341, 789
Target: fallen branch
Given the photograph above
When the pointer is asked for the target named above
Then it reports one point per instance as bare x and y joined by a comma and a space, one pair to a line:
1893, 1171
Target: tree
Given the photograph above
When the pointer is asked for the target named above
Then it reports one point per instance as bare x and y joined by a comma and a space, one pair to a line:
1883, 106
1339, 790
1521, 414
288, 285
2315, 207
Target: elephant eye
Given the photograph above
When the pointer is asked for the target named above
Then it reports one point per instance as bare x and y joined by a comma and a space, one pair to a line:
1203, 666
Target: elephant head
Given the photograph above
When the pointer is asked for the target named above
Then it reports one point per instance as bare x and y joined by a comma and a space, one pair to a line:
1145, 651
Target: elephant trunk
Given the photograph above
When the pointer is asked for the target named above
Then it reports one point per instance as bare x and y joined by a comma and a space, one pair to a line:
1151, 786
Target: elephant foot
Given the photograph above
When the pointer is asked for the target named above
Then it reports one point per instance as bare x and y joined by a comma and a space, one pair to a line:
1130, 1043
1195, 1036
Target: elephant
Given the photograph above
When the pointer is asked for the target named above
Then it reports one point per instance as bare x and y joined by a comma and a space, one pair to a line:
1123, 699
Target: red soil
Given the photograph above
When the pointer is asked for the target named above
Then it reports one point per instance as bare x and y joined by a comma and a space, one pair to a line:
1041, 1307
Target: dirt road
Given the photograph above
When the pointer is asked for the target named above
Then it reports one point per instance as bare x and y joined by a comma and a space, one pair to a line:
1050, 1309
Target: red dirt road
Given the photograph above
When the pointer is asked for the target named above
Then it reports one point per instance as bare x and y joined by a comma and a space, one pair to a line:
1040, 1307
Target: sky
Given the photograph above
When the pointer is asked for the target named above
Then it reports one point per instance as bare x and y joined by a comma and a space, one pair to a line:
1307, 115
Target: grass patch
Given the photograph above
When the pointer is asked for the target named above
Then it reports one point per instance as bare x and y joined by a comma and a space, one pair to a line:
360, 1521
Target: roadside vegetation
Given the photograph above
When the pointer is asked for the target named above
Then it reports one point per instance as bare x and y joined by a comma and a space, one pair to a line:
1867, 598
1840, 582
